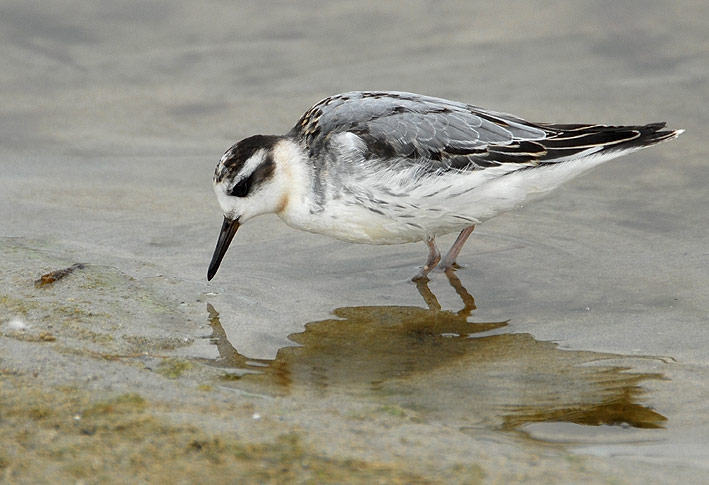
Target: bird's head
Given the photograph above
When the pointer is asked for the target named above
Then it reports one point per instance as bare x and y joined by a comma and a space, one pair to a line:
248, 183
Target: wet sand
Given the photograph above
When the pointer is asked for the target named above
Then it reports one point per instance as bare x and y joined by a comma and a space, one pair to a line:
571, 347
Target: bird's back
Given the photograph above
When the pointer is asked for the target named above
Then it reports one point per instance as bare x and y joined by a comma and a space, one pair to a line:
419, 164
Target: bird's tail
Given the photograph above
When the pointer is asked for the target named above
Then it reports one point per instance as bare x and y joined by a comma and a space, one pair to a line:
565, 141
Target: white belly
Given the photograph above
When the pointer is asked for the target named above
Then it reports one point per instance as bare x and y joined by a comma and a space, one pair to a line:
393, 207
355, 223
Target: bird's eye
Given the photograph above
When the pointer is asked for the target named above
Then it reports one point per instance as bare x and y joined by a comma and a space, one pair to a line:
241, 189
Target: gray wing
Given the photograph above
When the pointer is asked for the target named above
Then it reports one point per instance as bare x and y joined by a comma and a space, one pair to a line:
398, 125
446, 134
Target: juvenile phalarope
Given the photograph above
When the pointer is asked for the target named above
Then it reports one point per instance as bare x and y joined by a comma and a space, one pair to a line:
394, 167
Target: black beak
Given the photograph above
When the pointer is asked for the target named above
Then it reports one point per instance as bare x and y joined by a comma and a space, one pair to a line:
229, 228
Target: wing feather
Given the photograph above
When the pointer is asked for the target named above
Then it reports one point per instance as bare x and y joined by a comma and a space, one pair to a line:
439, 134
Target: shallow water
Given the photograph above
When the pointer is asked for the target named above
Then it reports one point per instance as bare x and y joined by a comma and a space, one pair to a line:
441, 365
588, 323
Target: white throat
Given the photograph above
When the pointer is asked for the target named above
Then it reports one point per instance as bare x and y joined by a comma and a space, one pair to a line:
294, 179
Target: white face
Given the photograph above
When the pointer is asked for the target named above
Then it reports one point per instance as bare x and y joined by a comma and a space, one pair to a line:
248, 185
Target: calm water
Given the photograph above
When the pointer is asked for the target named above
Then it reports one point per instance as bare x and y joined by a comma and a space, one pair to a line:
590, 307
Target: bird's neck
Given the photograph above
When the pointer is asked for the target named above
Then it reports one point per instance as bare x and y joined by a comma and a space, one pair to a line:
295, 177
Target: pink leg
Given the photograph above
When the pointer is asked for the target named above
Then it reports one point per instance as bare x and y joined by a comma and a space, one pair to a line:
450, 258
434, 256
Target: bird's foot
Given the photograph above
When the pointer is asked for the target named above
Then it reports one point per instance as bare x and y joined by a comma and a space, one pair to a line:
445, 267
421, 276
434, 256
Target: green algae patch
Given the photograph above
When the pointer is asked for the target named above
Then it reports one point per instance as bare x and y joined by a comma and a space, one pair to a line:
174, 368
65, 435
129, 402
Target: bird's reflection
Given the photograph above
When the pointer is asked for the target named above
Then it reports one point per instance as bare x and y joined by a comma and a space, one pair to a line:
431, 361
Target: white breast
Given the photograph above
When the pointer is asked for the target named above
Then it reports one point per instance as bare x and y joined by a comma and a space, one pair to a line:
396, 203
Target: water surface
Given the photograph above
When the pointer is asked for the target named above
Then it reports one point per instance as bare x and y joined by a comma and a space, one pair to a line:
588, 323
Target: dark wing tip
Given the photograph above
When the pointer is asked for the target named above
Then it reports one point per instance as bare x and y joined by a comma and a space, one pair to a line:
653, 133
566, 140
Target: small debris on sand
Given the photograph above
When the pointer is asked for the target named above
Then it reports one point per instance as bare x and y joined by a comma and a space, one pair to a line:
50, 278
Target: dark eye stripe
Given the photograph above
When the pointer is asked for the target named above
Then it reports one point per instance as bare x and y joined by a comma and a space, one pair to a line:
242, 188
262, 173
